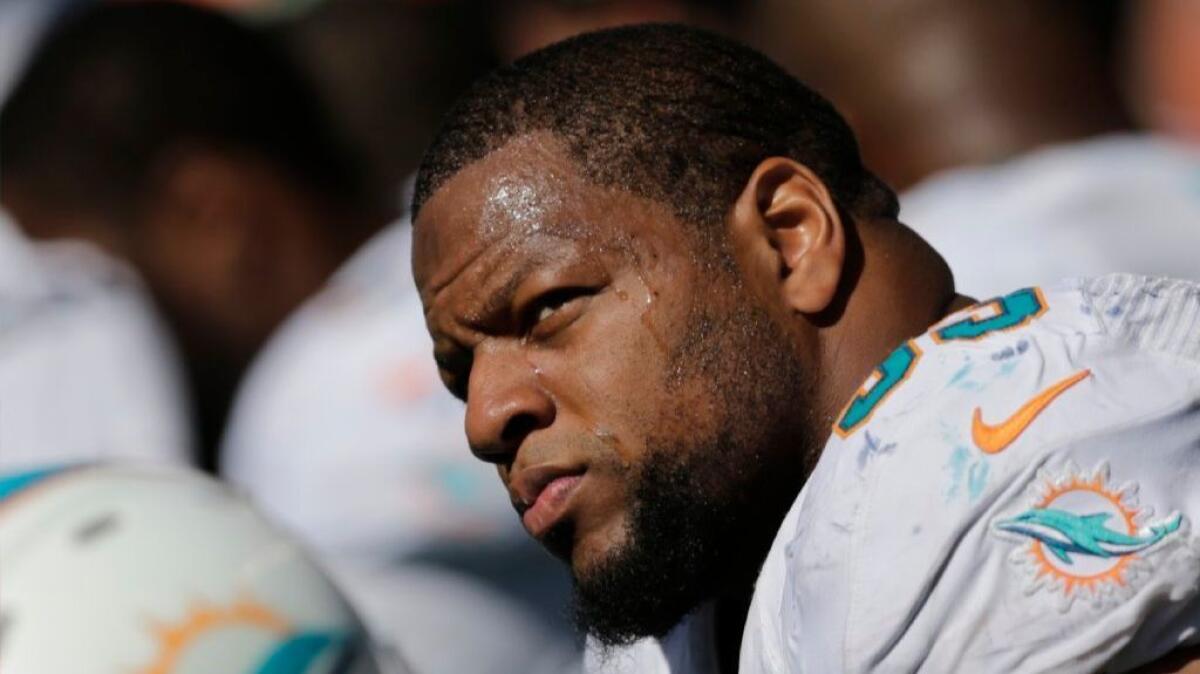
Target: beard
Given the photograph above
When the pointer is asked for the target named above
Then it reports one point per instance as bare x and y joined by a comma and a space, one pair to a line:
679, 548
704, 507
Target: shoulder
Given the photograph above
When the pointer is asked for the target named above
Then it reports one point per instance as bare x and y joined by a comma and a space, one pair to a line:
986, 498
68, 312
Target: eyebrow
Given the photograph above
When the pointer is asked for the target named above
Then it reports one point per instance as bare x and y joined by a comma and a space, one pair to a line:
451, 360
496, 302
481, 316
570, 231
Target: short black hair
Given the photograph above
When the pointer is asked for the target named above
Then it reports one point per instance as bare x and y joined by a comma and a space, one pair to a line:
114, 87
668, 112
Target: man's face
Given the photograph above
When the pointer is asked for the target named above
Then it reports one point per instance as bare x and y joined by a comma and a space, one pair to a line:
643, 411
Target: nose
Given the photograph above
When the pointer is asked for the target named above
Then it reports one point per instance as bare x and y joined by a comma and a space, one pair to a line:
505, 403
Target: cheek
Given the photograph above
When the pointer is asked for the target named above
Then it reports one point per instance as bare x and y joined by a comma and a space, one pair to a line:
609, 379
600, 543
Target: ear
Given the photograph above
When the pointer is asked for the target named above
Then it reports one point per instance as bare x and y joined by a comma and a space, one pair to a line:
786, 225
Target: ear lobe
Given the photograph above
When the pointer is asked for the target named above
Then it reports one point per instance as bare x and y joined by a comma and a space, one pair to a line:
805, 230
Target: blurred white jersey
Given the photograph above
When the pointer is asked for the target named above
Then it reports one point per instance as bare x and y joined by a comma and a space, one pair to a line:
1126, 203
342, 429
344, 433
1014, 491
86, 373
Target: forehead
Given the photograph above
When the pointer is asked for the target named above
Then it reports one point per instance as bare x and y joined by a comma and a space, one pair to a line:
516, 202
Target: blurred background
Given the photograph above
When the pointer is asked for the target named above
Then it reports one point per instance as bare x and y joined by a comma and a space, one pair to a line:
204, 245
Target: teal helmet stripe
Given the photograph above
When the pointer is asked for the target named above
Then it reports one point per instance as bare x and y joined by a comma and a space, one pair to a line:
298, 654
17, 482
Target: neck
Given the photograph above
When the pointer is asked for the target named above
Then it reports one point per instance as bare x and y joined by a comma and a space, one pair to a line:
903, 286
883, 304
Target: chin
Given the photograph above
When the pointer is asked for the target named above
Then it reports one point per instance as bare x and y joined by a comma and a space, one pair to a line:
592, 548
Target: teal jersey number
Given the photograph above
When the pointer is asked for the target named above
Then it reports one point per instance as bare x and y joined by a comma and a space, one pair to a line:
894, 370
1012, 311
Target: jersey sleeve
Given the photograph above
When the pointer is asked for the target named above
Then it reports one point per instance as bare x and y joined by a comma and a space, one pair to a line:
1025, 503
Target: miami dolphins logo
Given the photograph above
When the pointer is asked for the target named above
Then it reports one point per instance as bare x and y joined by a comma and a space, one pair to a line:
1083, 538
267, 641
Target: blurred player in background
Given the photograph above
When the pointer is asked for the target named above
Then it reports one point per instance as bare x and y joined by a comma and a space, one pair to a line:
344, 403
521, 26
86, 371
341, 429
1164, 53
999, 146
931, 85
388, 70
191, 147
745, 404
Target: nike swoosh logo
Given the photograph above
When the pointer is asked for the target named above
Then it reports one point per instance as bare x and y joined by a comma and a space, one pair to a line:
994, 439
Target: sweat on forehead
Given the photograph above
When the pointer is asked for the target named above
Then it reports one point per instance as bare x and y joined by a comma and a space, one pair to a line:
526, 187
525, 198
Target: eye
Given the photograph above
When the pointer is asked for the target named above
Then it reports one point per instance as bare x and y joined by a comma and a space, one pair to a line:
555, 309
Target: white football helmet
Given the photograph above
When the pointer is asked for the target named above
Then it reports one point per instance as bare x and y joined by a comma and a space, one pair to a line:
134, 570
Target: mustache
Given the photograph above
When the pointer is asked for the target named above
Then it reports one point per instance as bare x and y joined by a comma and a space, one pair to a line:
598, 451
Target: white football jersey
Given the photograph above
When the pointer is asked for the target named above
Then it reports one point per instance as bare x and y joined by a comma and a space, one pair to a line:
1014, 491
1124, 202
343, 431
86, 371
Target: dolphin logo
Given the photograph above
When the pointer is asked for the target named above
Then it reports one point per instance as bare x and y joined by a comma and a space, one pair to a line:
1065, 533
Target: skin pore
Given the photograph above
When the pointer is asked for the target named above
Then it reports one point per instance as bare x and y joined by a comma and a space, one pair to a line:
654, 394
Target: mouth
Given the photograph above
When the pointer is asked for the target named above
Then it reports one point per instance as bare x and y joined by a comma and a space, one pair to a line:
544, 497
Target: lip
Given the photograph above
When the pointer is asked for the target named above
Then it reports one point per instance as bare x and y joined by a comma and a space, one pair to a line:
543, 495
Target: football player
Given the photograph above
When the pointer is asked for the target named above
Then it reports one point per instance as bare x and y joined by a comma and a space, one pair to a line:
723, 382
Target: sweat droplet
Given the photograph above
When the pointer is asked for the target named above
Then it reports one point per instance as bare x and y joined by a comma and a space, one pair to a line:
517, 203
649, 325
